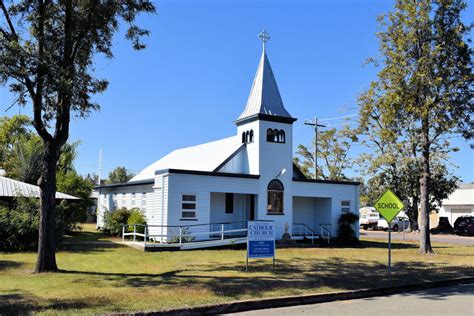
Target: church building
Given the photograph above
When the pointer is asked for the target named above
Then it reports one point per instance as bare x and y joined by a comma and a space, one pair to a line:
247, 176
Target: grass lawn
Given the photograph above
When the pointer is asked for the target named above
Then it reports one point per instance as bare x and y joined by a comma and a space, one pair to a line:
100, 276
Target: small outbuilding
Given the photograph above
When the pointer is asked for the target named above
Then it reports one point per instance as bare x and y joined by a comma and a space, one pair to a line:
459, 203
10, 188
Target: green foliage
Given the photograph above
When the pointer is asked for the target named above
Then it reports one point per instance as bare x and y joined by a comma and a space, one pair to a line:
47, 54
119, 175
136, 218
347, 235
25, 160
333, 149
11, 129
75, 185
19, 222
422, 97
115, 220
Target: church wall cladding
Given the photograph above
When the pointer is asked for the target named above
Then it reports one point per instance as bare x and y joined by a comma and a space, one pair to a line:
130, 196
274, 157
312, 211
218, 206
336, 192
201, 186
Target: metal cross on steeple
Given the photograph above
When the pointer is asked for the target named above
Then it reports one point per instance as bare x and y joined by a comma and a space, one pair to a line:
264, 37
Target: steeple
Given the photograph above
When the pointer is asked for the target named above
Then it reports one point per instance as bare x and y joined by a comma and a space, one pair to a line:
264, 101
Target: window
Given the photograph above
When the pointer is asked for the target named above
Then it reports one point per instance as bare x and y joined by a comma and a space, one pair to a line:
275, 135
143, 201
282, 136
275, 191
247, 137
133, 199
345, 206
269, 135
229, 203
188, 206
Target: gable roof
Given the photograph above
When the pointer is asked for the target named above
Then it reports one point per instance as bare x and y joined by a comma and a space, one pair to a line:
264, 98
205, 157
15, 188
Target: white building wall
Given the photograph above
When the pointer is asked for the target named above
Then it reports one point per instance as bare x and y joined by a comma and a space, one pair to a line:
273, 158
217, 211
336, 192
112, 198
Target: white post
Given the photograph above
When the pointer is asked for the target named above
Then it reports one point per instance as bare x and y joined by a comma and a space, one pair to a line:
144, 237
123, 233
222, 231
134, 232
180, 235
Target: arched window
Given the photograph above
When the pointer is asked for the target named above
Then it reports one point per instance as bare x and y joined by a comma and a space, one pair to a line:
275, 136
270, 135
251, 135
243, 137
275, 191
247, 136
282, 136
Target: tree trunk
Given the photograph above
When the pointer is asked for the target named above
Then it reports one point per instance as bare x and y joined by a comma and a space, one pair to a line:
425, 243
46, 261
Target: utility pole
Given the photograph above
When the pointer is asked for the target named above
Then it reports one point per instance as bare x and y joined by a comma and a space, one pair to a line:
100, 166
315, 124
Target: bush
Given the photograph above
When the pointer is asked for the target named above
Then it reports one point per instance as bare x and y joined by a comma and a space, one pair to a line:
115, 220
19, 222
136, 218
347, 235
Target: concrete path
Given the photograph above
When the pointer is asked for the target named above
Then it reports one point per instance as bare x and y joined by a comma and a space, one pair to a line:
450, 239
453, 301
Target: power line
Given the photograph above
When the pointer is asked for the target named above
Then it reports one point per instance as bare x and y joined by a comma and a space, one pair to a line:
339, 117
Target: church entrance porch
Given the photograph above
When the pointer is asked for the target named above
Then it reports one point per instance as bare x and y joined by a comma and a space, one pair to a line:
311, 216
232, 209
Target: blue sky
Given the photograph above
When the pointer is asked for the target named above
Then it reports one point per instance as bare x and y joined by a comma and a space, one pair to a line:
193, 80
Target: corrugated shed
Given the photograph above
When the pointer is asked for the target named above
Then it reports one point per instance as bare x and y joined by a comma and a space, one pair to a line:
14, 188
264, 96
205, 157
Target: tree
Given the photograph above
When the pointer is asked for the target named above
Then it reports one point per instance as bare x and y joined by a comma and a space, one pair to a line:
119, 175
11, 130
47, 51
333, 149
423, 90
394, 162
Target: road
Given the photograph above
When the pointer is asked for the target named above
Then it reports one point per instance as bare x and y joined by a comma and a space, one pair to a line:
453, 301
450, 239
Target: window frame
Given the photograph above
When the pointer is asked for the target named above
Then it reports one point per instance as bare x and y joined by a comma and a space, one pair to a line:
275, 194
188, 210
345, 207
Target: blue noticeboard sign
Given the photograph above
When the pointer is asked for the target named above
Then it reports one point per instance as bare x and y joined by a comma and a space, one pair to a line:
261, 249
261, 240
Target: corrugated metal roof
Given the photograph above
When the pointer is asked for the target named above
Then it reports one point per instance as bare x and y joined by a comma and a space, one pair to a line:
12, 188
264, 96
205, 157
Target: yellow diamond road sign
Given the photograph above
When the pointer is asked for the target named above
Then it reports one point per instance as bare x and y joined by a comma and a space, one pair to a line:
389, 205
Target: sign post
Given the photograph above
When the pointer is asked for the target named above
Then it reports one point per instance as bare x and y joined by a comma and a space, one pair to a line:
260, 241
389, 205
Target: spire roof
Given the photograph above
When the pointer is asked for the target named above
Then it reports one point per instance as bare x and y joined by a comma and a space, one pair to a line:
264, 98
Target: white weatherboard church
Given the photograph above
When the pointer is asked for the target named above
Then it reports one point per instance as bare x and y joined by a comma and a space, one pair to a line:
248, 176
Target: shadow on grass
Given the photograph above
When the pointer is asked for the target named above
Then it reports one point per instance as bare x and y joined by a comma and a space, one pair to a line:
297, 275
4, 264
18, 304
